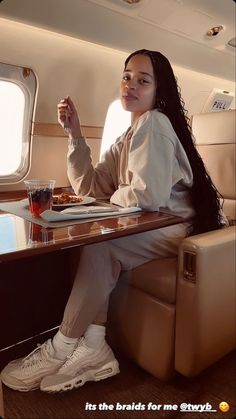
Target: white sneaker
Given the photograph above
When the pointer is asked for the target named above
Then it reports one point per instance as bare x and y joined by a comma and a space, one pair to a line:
85, 364
25, 374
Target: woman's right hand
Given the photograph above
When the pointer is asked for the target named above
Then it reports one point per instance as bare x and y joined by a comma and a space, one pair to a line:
68, 117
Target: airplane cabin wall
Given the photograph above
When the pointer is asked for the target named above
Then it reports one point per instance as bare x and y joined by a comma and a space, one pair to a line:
91, 75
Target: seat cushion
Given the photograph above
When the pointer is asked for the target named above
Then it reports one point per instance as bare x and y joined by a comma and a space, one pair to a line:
143, 328
214, 127
229, 208
220, 163
156, 278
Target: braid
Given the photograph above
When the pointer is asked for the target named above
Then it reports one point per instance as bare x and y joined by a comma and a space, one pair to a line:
204, 196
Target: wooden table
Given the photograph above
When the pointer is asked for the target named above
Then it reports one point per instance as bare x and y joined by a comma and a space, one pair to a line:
20, 238
36, 270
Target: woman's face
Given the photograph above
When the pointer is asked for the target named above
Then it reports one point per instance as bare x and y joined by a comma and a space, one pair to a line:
138, 86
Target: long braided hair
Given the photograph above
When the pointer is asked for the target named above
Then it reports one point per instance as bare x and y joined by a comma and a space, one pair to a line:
204, 195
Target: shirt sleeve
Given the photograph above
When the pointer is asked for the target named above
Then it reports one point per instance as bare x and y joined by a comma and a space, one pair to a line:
101, 181
152, 164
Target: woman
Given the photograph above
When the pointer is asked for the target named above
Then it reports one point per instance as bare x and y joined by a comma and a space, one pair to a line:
153, 165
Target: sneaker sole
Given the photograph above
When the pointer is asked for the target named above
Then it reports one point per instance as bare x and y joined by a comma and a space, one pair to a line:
108, 370
21, 388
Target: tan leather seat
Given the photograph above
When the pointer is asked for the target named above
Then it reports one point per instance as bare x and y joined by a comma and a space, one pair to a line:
178, 314
215, 136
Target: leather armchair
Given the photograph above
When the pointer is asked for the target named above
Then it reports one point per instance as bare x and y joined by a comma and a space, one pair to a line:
178, 314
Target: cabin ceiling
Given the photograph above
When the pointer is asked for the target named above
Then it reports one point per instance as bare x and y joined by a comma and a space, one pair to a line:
177, 28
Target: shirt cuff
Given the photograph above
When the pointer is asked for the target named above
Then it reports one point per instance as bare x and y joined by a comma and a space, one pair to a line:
74, 141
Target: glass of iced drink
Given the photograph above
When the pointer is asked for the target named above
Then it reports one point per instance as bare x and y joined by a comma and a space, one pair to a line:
40, 194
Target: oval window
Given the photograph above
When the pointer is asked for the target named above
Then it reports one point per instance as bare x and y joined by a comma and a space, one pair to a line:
17, 100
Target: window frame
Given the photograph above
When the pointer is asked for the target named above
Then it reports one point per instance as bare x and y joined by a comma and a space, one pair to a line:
26, 80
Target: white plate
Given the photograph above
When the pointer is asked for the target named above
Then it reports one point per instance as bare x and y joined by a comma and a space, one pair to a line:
85, 200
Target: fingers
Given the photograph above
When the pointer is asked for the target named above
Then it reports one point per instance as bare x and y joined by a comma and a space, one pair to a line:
70, 103
64, 110
67, 104
63, 106
62, 113
68, 117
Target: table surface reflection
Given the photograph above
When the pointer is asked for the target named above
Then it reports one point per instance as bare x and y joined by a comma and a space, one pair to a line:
20, 238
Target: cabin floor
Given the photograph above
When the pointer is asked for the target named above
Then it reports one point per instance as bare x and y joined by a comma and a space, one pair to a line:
133, 387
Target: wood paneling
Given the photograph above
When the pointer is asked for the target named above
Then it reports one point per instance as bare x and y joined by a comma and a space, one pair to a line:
15, 195
55, 130
34, 285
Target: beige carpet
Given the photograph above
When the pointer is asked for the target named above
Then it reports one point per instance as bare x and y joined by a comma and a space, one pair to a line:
135, 388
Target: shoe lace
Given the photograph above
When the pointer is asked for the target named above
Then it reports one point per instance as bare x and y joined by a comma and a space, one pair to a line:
37, 356
80, 347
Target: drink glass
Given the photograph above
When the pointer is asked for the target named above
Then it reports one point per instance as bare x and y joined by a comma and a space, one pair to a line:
40, 195
39, 234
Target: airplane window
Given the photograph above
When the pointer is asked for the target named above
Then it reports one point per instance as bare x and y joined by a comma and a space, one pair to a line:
117, 121
17, 97
12, 103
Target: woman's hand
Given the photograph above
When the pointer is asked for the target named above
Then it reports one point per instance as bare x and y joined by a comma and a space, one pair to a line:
68, 117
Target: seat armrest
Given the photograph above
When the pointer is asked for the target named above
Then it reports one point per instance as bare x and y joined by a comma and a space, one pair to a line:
205, 300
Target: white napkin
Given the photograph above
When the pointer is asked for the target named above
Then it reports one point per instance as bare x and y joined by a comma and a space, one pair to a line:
83, 209
79, 212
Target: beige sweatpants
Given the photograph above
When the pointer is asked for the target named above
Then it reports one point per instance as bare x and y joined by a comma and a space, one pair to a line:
99, 269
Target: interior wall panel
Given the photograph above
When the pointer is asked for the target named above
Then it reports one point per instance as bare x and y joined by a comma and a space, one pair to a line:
91, 75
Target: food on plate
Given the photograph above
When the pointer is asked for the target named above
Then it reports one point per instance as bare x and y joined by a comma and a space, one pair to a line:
65, 198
